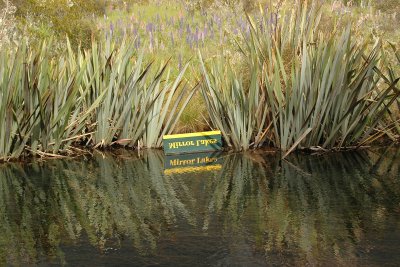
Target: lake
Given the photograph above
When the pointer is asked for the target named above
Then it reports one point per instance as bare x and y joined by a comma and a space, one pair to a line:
229, 209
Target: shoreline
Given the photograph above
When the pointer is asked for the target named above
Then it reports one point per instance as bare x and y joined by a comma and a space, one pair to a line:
120, 151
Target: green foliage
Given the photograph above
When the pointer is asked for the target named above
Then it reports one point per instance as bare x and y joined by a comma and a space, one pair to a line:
117, 93
235, 108
388, 6
75, 19
301, 87
7, 23
103, 96
242, 5
316, 90
330, 97
165, 112
390, 72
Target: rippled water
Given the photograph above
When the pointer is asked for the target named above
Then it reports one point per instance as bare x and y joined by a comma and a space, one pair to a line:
250, 209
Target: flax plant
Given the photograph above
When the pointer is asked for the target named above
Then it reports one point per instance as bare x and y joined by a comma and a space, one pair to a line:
99, 97
307, 89
164, 114
116, 81
235, 107
327, 96
38, 95
10, 69
129, 103
390, 72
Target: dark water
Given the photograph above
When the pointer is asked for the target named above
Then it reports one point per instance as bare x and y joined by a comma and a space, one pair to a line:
340, 209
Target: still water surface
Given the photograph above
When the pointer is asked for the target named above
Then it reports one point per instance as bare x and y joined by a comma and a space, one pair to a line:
249, 209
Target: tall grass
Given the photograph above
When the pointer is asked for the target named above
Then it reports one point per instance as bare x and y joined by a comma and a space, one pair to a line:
99, 97
302, 89
37, 95
165, 113
235, 107
307, 89
389, 73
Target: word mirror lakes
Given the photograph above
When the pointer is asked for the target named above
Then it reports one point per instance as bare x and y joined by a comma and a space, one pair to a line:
192, 152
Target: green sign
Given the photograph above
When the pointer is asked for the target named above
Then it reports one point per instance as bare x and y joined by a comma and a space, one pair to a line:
192, 142
197, 162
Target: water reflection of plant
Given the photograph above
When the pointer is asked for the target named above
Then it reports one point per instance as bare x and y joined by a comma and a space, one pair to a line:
124, 197
308, 209
303, 210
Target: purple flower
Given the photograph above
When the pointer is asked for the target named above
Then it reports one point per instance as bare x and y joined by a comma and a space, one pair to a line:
180, 62
211, 23
149, 27
137, 42
196, 40
151, 40
243, 26
218, 21
205, 30
172, 39
274, 18
189, 41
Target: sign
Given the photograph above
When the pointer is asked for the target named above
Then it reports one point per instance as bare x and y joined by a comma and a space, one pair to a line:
192, 142
185, 163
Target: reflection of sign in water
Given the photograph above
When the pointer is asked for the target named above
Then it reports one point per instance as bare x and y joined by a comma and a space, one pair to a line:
192, 162
192, 142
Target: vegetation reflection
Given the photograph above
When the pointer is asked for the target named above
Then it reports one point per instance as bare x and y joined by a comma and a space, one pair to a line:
308, 209
305, 209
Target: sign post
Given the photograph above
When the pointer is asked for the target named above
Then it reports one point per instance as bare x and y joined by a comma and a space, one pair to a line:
192, 142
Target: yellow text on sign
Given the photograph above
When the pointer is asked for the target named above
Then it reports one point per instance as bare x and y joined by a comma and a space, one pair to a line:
199, 160
205, 142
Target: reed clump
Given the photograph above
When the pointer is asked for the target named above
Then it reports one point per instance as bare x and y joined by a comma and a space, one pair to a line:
304, 88
308, 89
98, 97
